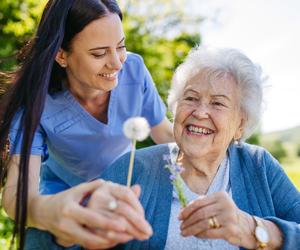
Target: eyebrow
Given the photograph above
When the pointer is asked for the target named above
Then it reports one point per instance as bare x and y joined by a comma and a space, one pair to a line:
106, 47
195, 92
224, 96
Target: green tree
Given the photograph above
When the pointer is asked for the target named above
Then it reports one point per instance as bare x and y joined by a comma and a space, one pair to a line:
159, 34
254, 139
278, 150
18, 20
162, 36
298, 150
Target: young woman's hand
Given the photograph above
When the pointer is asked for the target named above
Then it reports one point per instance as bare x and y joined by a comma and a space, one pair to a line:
113, 215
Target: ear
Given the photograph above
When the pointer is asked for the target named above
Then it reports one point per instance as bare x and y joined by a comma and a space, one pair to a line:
61, 58
240, 130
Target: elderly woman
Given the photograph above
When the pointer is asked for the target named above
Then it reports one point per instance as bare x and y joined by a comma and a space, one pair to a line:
239, 195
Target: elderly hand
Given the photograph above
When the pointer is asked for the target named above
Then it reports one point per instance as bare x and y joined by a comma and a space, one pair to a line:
64, 216
120, 205
217, 216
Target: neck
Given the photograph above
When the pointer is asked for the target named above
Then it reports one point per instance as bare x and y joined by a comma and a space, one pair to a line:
200, 172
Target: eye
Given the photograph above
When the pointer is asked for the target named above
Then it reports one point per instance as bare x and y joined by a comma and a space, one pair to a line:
190, 98
99, 55
218, 104
123, 47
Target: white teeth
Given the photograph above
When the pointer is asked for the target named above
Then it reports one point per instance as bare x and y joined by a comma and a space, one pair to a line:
108, 75
199, 130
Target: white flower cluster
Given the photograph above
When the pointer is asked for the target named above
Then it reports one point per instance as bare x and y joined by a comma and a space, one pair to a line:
136, 128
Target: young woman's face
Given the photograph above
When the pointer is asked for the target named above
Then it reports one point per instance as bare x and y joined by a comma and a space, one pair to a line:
96, 56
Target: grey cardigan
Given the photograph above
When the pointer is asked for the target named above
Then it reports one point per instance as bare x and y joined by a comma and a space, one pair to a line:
259, 187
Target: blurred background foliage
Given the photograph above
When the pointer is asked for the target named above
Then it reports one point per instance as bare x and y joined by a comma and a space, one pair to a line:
161, 31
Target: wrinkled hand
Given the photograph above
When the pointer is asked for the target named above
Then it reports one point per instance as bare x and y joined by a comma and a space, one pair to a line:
234, 225
64, 216
129, 214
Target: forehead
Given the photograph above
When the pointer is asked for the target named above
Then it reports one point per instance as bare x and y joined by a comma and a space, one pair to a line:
214, 82
105, 31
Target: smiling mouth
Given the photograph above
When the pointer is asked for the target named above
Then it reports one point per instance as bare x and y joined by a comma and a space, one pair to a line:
199, 130
105, 75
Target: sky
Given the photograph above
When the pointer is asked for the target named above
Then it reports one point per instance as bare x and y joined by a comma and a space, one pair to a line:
268, 32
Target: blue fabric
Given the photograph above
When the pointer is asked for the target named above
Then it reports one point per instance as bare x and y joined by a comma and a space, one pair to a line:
75, 146
259, 187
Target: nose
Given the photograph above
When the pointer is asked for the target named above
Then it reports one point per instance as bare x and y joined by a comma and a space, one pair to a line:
115, 61
201, 111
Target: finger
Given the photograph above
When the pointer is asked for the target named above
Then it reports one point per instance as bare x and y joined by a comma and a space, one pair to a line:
127, 195
200, 202
86, 216
114, 237
64, 243
100, 200
83, 236
137, 190
230, 234
85, 189
214, 233
130, 228
200, 214
196, 228
140, 227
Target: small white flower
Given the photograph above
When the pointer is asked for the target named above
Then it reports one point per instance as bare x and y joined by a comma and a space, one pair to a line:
136, 128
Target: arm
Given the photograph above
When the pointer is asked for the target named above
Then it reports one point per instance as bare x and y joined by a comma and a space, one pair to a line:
286, 199
163, 132
63, 215
10, 188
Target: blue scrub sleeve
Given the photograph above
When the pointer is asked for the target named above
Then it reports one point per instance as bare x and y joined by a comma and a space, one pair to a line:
16, 138
154, 110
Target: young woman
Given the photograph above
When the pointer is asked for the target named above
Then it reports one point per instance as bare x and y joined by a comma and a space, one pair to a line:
64, 116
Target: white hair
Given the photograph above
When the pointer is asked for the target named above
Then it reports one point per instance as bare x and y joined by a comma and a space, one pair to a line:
216, 61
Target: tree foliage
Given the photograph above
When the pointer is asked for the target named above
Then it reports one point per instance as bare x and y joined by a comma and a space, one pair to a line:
18, 21
278, 150
162, 36
298, 150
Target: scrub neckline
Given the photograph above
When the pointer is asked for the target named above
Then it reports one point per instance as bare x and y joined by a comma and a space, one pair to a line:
72, 100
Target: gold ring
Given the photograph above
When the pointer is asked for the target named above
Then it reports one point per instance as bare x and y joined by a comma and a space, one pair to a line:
211, 223
216, 223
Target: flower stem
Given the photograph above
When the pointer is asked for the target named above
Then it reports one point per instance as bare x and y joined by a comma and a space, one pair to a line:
129, 176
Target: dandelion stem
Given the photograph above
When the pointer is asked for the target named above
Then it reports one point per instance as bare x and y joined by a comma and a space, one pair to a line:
130, 170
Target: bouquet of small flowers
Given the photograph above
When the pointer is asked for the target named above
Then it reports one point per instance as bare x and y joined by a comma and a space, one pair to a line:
175, 176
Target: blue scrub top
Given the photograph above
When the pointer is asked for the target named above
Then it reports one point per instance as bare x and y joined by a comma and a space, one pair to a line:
76, 147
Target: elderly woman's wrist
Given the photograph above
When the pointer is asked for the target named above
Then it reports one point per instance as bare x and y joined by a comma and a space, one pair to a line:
248, 239
276, 237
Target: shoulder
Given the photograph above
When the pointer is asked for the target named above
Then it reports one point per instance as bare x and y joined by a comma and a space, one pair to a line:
256, 154
134, 69
54, 104
133, 58
256, 159
146, 160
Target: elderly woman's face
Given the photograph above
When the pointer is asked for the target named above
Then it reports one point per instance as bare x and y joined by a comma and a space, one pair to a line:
208, 115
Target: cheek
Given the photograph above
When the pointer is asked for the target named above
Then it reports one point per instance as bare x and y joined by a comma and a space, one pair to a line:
123, 56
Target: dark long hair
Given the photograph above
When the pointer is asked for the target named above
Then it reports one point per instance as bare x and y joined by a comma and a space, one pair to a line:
38, 75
